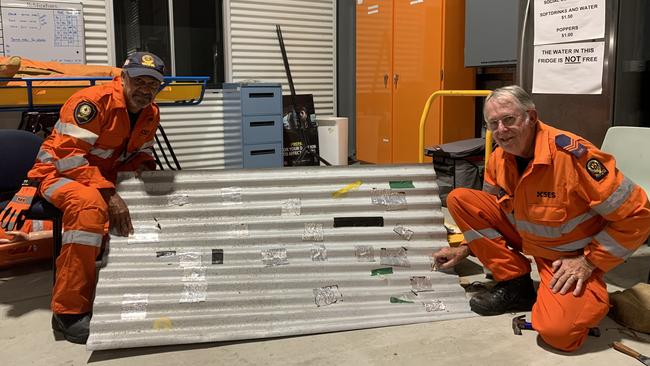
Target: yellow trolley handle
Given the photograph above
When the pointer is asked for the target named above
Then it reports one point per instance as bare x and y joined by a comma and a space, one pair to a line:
425, 114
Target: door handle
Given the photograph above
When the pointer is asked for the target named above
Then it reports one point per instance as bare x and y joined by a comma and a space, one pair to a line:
385, 81
395, 79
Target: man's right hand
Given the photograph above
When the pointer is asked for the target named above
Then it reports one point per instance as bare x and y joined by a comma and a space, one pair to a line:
118, 213
448, 257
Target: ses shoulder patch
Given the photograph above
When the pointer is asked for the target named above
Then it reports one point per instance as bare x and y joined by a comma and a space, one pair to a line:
84, 112
596, 169
570, 145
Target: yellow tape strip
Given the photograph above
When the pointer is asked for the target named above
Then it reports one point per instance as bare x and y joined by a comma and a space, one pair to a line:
162, 323
344, 191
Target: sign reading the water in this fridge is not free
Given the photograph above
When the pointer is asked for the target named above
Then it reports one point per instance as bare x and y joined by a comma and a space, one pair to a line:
574, 68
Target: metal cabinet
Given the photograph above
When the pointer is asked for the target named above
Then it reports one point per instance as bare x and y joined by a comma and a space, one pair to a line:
405, 51
259, 107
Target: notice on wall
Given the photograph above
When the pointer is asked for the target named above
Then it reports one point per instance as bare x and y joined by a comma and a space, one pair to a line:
575, 68
41, 30
559, 21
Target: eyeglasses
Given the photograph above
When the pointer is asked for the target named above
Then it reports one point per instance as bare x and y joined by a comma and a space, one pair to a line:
139, 82
507, 121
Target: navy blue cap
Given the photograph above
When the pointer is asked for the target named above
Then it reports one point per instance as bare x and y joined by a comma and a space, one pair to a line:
144, 64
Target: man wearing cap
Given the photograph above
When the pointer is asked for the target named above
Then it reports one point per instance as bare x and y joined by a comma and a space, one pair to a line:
101, 130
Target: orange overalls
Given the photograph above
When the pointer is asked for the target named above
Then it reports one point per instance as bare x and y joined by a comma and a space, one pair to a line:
570, 200
91, 142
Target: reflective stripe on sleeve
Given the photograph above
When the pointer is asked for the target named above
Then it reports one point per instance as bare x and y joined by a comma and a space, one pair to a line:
59, 183
612, 246
82, 237
102, 153
68, 163
146, 145
44, 157
616, 199
75, 131
471, 235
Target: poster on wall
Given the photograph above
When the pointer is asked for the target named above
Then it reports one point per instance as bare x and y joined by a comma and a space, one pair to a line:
42, 30
559, 21
575, 68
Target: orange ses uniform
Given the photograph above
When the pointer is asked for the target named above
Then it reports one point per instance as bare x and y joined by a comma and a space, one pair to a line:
91, 142
570, 200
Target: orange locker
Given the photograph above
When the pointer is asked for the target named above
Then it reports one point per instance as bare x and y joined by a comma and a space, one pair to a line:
406, 50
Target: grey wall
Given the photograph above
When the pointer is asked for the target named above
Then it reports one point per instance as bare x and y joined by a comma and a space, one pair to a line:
345, 68
9, 120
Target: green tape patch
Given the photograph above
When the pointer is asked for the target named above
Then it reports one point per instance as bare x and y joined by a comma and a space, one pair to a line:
381, 271
397, 300
395, 184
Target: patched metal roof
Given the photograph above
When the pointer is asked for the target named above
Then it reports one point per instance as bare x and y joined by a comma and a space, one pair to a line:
238, 254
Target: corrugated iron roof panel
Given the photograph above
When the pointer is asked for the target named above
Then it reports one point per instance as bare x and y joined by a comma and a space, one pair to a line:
238, 254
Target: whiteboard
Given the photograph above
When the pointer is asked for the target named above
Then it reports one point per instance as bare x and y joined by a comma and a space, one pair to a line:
46, 31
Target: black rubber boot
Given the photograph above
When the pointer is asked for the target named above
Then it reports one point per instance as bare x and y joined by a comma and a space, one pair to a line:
517, 294
74, 327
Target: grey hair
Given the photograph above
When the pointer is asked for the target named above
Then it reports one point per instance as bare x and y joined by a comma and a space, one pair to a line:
522, 99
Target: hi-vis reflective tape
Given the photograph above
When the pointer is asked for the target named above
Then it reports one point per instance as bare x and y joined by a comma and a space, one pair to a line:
344, 191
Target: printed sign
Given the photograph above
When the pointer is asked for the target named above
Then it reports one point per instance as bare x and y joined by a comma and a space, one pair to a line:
560, 21
575, 68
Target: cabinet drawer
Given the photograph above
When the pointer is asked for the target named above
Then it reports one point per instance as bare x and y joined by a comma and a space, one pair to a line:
263, 156
258, 101
262, 129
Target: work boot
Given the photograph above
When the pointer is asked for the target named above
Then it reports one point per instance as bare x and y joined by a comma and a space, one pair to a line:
517, 294
74, 327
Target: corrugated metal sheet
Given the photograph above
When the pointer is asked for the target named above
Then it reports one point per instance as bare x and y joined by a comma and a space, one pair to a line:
309, 32
201, 135
238, 254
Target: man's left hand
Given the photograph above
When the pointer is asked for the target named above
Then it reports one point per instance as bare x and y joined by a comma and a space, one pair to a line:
570, 272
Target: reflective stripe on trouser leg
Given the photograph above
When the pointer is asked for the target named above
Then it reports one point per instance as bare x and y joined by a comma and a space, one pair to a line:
563, 321
478, 214
84, 216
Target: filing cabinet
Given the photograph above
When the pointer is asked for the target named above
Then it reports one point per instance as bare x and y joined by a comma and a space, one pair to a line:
260, 111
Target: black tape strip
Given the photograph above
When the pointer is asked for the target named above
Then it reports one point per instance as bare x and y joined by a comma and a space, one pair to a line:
217, 256
165, 253
358, 221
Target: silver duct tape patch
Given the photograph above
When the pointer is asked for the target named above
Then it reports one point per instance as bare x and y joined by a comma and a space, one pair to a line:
194, 292
313, 232
291, 207
364, 253
391, 200
318, 253
274, 257
194, 274
231, 196
237, 231
434, 305
421, 283
403, 232
394, 257
134, 306
143, 237
327, 295
178, 200
189, 259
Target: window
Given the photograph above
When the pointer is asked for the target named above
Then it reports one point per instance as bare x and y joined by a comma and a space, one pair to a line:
194, 37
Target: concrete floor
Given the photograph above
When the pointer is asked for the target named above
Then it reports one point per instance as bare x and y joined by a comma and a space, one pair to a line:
27, 339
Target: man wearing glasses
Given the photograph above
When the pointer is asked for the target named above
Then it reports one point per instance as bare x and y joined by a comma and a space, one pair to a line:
101, 130
554, 196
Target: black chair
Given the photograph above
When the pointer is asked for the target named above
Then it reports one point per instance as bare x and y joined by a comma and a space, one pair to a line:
18, 150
